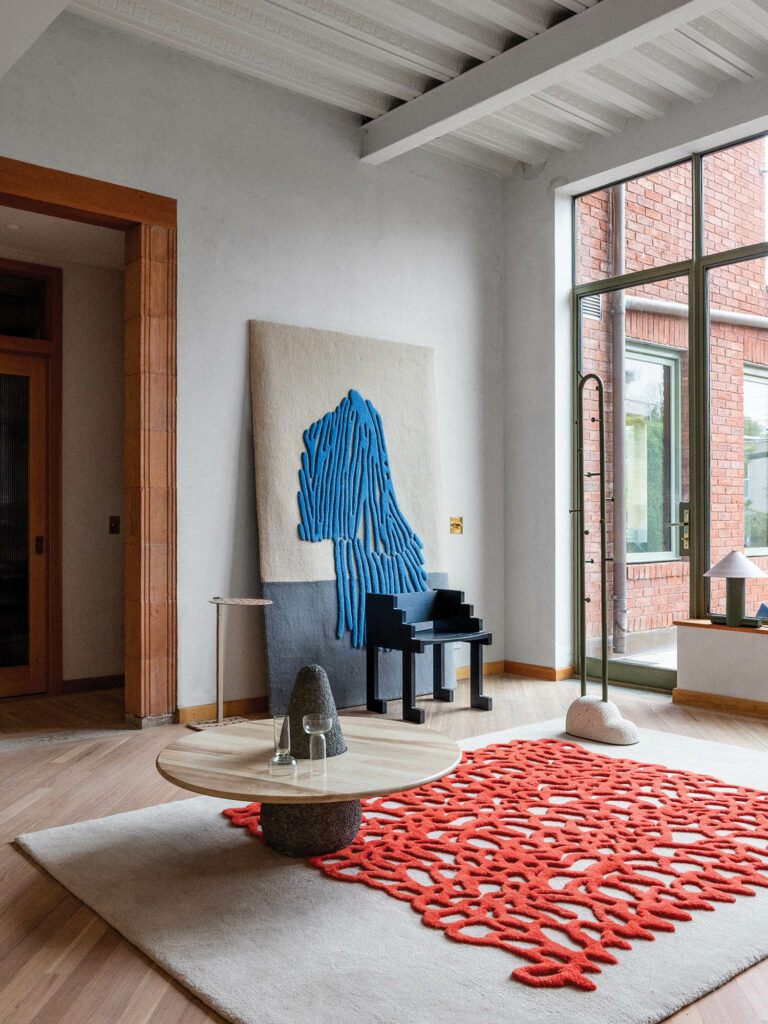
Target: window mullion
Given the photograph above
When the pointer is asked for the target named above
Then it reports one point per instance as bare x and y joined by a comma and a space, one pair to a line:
698, 383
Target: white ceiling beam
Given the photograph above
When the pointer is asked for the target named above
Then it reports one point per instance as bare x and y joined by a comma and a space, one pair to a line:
610, 28
474, 156
254, 57
737, 57
515, 147
21, 23
428, 20
752, 18
576, 5
437, 61
604, 85
675, 74
738, 110
522, 17
599, 116
539, 127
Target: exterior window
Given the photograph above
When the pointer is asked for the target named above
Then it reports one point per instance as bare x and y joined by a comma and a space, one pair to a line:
652, 403
756, 459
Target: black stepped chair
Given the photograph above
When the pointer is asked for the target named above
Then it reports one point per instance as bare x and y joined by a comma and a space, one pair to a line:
412, 622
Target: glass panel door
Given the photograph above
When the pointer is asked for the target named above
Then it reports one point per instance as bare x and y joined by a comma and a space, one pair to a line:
23, 562
14, 519
738, 389
636, 340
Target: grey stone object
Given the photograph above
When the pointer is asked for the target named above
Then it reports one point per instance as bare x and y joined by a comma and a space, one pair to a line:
312, 695
310, 830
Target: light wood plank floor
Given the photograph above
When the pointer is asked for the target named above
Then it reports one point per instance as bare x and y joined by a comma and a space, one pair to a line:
59, 962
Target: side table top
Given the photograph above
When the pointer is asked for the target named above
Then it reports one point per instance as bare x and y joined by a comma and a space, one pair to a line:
706, 624
382, 756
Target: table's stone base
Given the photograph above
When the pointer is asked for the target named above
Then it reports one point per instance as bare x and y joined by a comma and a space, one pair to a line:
309, 830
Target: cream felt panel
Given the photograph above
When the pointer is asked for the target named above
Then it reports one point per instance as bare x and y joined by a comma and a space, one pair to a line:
298, 374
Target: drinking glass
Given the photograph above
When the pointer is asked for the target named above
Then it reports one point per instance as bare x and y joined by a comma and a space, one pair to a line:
282, 763
317, 725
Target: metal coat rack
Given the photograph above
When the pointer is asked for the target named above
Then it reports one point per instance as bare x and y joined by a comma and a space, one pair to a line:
583, 533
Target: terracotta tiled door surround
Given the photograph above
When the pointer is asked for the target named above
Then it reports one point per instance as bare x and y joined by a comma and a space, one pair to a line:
149, 222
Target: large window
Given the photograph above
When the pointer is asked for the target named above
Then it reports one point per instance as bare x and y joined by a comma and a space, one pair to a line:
756, 459
651, 405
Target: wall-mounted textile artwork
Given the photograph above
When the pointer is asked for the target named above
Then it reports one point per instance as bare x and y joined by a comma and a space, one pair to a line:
347, 497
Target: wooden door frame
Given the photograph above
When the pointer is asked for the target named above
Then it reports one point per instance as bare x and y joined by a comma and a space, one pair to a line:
49, 350
149, 222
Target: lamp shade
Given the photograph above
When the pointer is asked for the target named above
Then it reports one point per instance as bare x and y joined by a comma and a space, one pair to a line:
735, 566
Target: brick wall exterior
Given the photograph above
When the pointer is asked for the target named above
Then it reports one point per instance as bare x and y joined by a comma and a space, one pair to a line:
658, 232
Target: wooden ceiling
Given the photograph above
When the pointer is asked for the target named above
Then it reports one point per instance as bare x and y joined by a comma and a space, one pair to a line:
490, 82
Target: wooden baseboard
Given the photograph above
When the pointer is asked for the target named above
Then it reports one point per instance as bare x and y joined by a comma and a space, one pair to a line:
718, 702
520, 668
202, 712
92, 683
490, 668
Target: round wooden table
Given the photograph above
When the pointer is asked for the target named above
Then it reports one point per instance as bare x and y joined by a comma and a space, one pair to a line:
306, 815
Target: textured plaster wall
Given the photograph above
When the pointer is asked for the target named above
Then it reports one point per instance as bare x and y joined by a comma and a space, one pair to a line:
537, 425
92, 471
279, 220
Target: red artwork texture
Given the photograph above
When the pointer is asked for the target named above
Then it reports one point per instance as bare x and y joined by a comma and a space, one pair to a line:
557, 854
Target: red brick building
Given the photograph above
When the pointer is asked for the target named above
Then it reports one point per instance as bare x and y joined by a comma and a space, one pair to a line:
644, 330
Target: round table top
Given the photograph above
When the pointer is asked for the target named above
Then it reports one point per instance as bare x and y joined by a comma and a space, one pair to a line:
382, 756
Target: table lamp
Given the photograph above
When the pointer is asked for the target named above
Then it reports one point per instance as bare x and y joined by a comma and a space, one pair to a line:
734, 569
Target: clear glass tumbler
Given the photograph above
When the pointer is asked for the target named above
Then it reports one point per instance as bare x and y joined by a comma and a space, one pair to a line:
317, 725
282, 763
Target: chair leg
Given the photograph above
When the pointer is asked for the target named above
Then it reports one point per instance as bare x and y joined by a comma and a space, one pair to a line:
476, 697
439, 691
410, 712
373, 702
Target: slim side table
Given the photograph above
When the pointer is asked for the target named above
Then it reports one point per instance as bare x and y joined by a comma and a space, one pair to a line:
220, 602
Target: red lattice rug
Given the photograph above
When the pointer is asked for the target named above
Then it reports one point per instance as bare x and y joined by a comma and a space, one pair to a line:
557, 854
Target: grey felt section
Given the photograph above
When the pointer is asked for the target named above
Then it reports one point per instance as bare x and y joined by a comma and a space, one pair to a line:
305, 633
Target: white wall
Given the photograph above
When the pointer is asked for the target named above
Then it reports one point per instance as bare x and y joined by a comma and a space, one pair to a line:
92, 471
279, 220
538, 366
92, 462
537, 426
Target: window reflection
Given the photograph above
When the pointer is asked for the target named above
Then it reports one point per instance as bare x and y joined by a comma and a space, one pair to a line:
755, 458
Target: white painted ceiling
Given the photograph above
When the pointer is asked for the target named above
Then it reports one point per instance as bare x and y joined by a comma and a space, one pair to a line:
525, 76
38, 238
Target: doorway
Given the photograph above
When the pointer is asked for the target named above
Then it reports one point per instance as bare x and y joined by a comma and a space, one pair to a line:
149, 223
23, 503
30, 431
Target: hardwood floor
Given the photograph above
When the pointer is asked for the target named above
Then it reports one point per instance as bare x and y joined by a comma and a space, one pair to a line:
38, 715
61, 964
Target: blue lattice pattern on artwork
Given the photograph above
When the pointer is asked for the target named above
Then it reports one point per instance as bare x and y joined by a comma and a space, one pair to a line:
346, 495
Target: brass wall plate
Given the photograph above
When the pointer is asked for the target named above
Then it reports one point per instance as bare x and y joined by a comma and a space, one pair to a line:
457, 524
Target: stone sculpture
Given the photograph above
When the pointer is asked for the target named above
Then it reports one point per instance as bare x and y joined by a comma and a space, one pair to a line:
311, 695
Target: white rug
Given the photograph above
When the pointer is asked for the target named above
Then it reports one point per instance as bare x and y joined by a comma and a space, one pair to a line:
262, 938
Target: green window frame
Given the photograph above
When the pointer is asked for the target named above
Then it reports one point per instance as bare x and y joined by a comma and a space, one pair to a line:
755, 466
653, 470
697, 268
